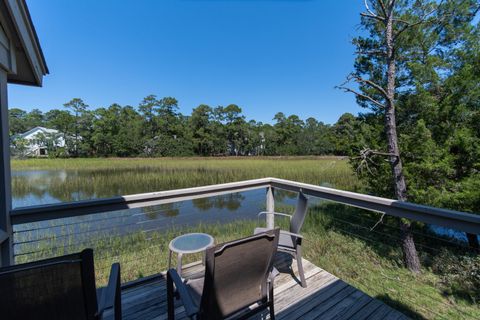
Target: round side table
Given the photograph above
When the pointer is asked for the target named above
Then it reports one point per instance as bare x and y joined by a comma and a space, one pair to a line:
188, 243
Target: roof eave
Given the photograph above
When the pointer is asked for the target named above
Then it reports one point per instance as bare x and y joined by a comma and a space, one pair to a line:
31, 65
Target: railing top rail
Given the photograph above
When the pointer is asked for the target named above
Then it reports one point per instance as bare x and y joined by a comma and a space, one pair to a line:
461, 221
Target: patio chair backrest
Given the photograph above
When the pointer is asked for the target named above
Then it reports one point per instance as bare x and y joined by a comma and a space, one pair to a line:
236, 274
300, 212
57, 288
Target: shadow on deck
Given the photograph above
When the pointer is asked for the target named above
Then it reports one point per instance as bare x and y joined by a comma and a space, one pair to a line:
326, 296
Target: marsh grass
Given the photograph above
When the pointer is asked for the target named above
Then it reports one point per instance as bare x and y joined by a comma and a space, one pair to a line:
106, 177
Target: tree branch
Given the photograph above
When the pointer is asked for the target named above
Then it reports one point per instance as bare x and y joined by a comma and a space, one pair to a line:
371, 52
379, 153
371, 14
368, 82
365, 157
408, 24
368, 8
380, 221
363, 96
391, 5
382, 6
366, 153
368, 15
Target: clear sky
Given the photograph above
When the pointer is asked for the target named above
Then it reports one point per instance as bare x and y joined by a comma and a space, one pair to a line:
264, 55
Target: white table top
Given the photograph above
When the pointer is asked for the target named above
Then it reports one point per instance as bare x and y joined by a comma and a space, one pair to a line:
191, 243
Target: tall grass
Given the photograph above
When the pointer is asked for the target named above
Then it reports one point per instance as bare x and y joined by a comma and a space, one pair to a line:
78, 179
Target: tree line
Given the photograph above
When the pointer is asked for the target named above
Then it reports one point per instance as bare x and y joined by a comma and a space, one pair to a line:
156, 128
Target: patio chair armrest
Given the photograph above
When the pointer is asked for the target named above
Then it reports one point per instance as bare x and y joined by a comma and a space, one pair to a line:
291, 234
174, 277
111, 294
273, 274
275, 214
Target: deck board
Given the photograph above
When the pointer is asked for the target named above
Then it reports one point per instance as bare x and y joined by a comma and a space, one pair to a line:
326, 297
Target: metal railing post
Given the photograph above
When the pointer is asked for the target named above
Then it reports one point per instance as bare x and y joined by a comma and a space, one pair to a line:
270, 207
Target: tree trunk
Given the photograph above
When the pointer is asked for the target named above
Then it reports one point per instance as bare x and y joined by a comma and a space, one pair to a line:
408, 245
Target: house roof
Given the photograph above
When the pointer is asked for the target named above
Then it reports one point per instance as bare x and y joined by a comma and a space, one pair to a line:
33, 130
27, 62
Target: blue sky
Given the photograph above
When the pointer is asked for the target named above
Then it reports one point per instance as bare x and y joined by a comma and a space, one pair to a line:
264, 55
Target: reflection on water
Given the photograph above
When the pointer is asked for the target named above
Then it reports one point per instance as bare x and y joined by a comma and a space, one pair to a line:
231, 202
165, 210
46, 187
35, 187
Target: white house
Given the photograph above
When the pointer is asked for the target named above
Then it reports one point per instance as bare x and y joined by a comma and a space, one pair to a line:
37, 141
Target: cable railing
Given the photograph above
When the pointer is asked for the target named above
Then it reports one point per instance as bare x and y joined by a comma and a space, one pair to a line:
342, 241
108, 224
353, 236
61, 237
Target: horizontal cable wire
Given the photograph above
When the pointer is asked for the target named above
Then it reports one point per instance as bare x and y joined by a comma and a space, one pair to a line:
424, 234
83, 244
386, 235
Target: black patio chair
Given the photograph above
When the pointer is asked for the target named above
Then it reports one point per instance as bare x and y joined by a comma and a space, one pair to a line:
58, 288
238, 275
291, 241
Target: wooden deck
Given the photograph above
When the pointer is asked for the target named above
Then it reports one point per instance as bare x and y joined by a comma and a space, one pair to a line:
326, 297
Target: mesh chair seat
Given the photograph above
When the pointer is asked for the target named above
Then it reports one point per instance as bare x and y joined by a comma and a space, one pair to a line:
195, 289
56, 288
